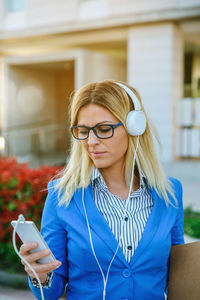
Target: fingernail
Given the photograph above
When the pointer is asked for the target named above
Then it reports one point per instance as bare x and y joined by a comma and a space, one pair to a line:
59, 264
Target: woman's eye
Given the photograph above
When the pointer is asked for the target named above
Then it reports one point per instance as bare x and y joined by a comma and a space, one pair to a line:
104, 128
82, 131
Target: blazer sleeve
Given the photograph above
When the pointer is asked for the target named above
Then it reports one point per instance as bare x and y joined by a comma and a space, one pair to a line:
177, 233
56, 238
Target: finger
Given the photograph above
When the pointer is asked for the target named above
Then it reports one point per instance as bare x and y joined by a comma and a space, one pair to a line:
42, 268
33, 257
25, 248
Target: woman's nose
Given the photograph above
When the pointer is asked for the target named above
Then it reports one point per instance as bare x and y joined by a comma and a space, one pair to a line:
92, 138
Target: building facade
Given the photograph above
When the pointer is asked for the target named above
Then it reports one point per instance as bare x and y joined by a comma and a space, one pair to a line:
50, 48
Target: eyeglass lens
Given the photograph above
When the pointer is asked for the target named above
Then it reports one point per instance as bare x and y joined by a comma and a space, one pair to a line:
101, 131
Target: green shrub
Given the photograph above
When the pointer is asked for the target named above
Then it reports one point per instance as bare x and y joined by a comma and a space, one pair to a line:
192, 222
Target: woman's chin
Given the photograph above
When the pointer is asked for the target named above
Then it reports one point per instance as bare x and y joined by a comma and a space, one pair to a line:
100, 164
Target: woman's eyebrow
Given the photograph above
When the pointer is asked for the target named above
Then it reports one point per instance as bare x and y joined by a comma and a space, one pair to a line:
102, 122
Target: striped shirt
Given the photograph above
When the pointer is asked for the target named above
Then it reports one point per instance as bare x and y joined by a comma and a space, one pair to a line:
133, 213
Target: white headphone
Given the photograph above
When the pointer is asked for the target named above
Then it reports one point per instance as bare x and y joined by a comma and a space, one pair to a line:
136, 120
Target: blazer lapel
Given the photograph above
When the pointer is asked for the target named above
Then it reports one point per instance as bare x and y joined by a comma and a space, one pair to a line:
151, 226
96, 221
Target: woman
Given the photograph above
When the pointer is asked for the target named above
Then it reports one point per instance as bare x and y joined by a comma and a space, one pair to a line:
111, 218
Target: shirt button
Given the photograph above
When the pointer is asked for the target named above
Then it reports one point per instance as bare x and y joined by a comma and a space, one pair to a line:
126, 273
126, 219
129, 247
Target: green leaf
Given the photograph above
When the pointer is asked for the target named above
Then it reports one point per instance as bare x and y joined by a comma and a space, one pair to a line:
28, 190
192, 222
12, 206
1, 203
13, 183
19, 194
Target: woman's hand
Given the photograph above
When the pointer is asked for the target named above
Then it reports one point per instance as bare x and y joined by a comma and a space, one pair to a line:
41, 269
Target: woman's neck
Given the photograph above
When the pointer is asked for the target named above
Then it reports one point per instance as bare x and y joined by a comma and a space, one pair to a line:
115, 180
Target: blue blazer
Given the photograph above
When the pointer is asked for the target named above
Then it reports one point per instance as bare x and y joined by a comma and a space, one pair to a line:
144, 278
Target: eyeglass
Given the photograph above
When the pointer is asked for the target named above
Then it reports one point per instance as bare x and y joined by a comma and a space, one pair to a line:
102, 131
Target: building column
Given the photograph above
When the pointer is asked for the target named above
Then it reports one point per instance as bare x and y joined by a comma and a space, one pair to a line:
155, 69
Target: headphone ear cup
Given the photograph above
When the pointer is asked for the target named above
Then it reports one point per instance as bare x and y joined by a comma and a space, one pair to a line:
136, 123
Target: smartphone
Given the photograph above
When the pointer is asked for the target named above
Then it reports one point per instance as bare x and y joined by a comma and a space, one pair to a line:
28, 232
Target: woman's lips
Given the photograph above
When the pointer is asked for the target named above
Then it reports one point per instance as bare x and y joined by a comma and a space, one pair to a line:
96, 154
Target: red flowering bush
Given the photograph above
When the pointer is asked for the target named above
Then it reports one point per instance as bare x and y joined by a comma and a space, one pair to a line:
22, 191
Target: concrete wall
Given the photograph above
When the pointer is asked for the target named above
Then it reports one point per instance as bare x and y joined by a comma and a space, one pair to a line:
1, 14
135, 6
155, 60
49, 12
95, 66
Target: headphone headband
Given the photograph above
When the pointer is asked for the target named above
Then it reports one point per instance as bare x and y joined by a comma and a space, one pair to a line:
133, 97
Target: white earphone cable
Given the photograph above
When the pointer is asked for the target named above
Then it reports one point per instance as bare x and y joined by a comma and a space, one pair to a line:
105, 279
21, 219
133, 167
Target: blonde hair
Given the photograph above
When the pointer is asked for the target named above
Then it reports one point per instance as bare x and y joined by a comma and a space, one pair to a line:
77, 173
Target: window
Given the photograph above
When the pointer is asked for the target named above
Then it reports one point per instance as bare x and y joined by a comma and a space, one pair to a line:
14, 5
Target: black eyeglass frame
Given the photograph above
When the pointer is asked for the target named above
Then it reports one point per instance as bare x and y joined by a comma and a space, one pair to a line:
113, 126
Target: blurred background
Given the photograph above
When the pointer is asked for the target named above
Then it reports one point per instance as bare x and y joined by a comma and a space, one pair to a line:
49, 49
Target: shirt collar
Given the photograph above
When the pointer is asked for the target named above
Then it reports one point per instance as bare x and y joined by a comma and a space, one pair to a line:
97, 177
95, 174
